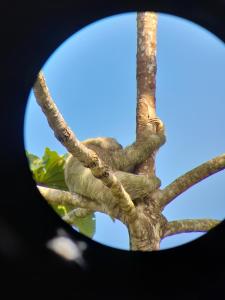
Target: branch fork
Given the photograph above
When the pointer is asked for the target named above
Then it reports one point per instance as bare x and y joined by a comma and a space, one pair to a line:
146, 117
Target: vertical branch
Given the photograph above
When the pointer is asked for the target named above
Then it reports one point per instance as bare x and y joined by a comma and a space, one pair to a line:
145, 232
146, 81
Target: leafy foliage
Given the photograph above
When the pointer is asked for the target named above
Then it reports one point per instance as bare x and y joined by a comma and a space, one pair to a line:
86, 225
49, 171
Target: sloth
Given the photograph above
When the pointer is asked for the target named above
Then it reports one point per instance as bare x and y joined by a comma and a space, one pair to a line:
122, 162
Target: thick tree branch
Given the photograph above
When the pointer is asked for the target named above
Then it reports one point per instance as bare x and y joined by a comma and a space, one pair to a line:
80, 206
184, 182
146, 82
55, 196
191, 225
146, 68
86, 156
145, 232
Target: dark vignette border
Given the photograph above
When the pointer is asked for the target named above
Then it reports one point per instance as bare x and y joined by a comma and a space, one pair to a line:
30, 32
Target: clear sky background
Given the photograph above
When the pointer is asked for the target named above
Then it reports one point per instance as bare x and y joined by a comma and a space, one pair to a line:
92, 78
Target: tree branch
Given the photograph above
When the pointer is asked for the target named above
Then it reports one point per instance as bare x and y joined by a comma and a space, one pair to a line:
184, 182
86, 156
77, 212
55, 196
80, 205
146, 82
192, 225
146, 68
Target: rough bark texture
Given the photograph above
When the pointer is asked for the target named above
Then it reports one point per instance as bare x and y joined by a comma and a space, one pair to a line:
80, 205
145, 233
184, 182
59, 197
191, 225
147, 229
146, 81
86, 156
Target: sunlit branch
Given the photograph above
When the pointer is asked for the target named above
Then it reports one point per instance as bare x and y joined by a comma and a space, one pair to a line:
184, 182
59, 197
146, 81
80, 206
86, 156
190, 225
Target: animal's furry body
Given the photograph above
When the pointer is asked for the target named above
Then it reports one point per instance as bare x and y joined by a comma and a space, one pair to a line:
122, 161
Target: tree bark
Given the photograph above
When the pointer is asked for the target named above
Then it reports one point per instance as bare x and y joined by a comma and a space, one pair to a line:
186, 181
146, 231
86, 156
146, 81
190, 225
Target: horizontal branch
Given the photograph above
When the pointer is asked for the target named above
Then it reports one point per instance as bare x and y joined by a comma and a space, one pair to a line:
80, 205
86, 156
191, 225
59, 197
184, 182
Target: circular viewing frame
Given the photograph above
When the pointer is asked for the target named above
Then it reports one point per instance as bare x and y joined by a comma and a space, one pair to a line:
40, 32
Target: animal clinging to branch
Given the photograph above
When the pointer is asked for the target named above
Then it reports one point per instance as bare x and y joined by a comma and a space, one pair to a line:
121, 161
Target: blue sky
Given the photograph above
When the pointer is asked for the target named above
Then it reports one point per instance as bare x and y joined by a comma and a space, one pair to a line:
92, 78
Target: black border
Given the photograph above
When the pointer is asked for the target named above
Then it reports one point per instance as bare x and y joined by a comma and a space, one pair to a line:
30, 32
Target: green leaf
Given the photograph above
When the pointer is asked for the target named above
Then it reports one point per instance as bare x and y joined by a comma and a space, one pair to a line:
86, 225
48, 170
34, 161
